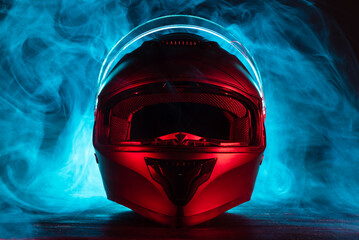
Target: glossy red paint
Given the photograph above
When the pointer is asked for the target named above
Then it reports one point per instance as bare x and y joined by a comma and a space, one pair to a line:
180, 174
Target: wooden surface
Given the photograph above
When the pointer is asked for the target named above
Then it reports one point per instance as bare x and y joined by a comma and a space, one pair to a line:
240, 223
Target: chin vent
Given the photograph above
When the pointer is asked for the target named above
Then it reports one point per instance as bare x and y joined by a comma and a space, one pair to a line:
180, 178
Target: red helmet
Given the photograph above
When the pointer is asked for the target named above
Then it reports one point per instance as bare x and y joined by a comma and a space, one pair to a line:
179, 132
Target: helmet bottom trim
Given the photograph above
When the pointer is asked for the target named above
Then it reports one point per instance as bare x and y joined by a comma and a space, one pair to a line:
180, 220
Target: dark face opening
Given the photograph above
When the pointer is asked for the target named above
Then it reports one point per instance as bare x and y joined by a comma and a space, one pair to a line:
154, 112
141, 118
202, 120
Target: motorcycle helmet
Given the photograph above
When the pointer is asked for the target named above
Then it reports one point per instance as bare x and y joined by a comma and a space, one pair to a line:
179, 128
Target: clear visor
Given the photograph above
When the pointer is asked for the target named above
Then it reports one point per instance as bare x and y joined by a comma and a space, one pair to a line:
179, 24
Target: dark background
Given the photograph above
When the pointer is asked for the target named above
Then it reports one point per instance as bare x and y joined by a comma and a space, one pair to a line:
346, 15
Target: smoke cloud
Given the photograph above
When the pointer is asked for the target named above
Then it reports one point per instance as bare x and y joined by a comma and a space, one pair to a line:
51, 54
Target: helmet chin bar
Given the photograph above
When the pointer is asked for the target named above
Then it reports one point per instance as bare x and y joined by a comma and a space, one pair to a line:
179, 131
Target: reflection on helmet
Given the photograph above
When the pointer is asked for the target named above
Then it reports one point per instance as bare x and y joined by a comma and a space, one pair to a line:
179, 132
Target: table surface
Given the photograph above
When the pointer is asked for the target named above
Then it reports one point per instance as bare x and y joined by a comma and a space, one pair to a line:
239, 223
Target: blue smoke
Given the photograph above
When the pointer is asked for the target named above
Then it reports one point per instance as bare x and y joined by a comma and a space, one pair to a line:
51, 54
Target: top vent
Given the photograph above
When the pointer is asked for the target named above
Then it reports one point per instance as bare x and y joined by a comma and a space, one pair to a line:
181, 42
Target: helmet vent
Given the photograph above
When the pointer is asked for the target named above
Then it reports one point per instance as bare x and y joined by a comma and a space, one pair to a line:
180, 178
179, 42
